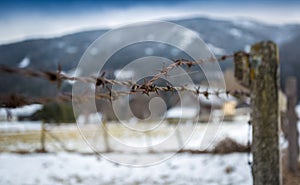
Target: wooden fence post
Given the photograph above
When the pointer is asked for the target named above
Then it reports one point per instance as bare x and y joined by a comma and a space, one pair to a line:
43, 137
242, 68
264, 77
105, 135
178, 136
292, 132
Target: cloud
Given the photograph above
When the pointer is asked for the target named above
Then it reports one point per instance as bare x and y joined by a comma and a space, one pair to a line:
35, 24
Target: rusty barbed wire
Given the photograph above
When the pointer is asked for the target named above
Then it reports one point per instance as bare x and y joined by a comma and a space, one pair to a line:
58, 76
14, 100
188, 63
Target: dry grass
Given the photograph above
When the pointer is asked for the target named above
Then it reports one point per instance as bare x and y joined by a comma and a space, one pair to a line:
229, 145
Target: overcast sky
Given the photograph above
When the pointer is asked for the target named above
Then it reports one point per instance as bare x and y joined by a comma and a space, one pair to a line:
21, 20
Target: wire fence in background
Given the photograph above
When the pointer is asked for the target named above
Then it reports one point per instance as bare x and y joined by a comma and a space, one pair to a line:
18, 100
258, 71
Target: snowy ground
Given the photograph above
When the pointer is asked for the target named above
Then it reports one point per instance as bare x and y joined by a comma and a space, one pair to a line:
165, 137
71, 168
15, 126
63, 168
75, 169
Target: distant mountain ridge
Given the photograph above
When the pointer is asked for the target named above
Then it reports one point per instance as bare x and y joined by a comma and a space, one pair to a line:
221, 36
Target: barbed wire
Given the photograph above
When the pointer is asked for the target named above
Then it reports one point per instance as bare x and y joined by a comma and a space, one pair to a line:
17, 100
14, 100
180, 62
58, 76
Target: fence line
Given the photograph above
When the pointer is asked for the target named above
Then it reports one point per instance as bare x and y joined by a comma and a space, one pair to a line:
58, 76
257, 71
15, 100
53, 138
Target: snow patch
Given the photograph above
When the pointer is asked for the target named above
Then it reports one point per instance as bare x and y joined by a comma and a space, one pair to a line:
123, 74
64, 168
297, 109
20, 126
26, 110
71, 49
216, 50
247, 48
245, 23
215, 100
205, 135
187, 38
175, 52
76, 72
90, 118
24, 62
236, 32
182, 112
149, 51
61, 44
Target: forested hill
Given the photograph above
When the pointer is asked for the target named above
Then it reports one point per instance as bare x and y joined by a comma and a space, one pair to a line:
222, 37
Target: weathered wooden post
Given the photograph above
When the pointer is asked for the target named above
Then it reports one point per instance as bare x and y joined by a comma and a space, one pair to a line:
43, 137
105, 135
242, 68
264, 74
259, 72
292, 131
179, 138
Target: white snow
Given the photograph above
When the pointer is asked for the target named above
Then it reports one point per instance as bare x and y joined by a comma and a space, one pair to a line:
20, 126
235, 32
26, 110
216, 50
202, 136
123, 74
75, 169
213, 99
24, 62
175, 52
186, 38
75, 72
247, 48
71, 49
149, 51
246, 23
297, 109
90, 118
61, 44
182, 112
67, 168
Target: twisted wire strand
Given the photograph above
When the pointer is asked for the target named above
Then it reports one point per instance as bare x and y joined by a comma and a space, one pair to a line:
14, 100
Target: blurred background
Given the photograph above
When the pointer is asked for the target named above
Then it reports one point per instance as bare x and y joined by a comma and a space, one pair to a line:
51, 35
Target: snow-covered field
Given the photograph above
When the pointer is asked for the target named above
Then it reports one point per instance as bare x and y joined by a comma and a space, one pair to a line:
165, 137
16, 126
76, 169
64, 168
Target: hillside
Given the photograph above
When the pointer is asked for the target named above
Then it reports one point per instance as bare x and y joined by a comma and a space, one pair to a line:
221, 36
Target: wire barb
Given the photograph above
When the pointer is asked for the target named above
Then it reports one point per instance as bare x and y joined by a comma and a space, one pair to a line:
13, 100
